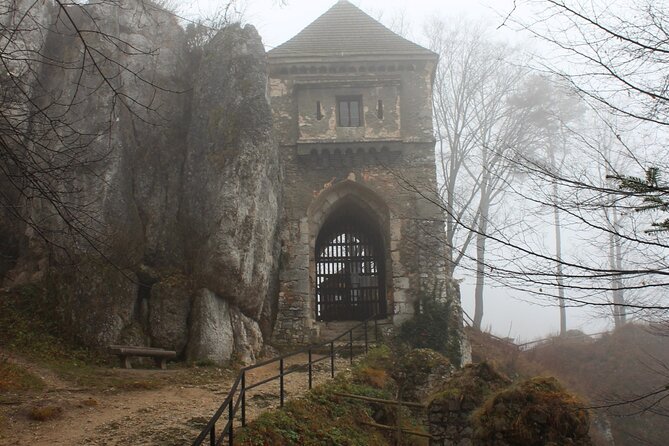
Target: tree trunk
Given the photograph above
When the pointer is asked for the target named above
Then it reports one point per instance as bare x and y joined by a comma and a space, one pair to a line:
559, 272
615, 263
481, 238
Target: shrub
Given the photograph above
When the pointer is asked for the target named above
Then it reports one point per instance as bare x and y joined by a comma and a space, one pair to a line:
433, 326
469, 387
418, 372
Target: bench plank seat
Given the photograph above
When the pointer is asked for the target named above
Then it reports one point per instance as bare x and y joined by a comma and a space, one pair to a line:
159, 355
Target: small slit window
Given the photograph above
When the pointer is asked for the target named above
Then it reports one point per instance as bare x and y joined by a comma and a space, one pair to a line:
350, 111
319, 111
379, 109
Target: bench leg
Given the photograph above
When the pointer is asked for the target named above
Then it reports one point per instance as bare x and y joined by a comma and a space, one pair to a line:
125, 362
162, 363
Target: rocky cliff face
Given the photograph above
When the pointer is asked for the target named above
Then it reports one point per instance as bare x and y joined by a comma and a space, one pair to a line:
176, 183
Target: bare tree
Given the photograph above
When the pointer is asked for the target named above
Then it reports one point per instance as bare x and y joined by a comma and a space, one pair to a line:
58, 60
613, 56
481, 119
556, 110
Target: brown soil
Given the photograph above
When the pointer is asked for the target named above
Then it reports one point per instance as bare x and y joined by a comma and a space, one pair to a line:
170, 415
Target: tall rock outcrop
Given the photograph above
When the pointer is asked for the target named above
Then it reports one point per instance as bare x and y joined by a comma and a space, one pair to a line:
231, 217
175, 186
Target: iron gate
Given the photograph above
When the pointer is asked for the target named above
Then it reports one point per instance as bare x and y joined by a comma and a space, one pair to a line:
350, 273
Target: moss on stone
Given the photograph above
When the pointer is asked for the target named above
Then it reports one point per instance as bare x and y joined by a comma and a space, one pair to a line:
535, 412
469, 387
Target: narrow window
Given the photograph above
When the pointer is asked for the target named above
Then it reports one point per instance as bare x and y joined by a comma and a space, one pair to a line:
379, 109
350, 111
319, 111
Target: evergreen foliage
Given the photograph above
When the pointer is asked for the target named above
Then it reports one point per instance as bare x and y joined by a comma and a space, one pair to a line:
654, 194
433, 326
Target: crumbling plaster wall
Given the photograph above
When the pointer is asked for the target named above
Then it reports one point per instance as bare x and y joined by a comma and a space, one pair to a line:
326, 129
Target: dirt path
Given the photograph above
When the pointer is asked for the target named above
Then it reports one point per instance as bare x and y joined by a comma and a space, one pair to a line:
171, 415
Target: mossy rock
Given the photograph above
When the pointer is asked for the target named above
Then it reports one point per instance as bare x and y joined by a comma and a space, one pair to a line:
535, 412
469, 387
419, 371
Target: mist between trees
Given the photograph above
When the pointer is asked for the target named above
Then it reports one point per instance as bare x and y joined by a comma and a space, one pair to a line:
551, 166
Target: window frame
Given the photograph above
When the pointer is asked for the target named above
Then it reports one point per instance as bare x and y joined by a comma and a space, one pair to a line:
349, 99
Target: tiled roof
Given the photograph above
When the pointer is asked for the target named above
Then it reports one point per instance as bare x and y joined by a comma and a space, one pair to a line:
345, 30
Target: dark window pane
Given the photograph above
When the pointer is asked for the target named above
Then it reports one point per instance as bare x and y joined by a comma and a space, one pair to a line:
343, 114
354, 109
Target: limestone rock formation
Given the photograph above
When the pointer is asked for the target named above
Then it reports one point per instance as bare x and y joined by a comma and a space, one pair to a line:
248, 337
96, 303
230, 198
211, 333
173, 173
169, 308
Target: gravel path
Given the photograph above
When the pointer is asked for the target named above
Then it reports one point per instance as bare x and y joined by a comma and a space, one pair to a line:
172, 415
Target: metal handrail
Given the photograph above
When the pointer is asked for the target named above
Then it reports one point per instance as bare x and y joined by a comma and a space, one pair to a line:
232, 407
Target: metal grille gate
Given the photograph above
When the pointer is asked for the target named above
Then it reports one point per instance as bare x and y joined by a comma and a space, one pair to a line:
349, 272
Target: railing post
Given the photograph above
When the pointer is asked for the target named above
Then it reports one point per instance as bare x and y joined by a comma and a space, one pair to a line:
310, 369
332, 359
350, 345
231, 417
376, 331
243, 395
366, 336
281, 381
212, 435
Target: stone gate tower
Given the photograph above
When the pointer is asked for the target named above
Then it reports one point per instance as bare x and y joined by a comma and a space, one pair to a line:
352, 106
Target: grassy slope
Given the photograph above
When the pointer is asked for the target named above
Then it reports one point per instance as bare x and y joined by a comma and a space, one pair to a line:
323, 417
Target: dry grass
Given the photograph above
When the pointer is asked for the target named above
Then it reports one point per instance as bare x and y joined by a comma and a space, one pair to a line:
16, 378
503, 355
45, 413
615, 368
89, 402
374, 377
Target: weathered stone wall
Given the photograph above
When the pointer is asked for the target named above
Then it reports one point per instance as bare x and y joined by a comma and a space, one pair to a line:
178, 191
386, 166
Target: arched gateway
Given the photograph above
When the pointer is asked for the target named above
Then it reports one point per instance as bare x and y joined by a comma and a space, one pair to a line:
350, 267
352, 111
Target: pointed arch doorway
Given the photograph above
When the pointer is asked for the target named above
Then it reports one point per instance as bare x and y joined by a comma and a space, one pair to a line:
350, 267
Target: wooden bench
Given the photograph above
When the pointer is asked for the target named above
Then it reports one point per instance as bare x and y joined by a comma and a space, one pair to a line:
159, 355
